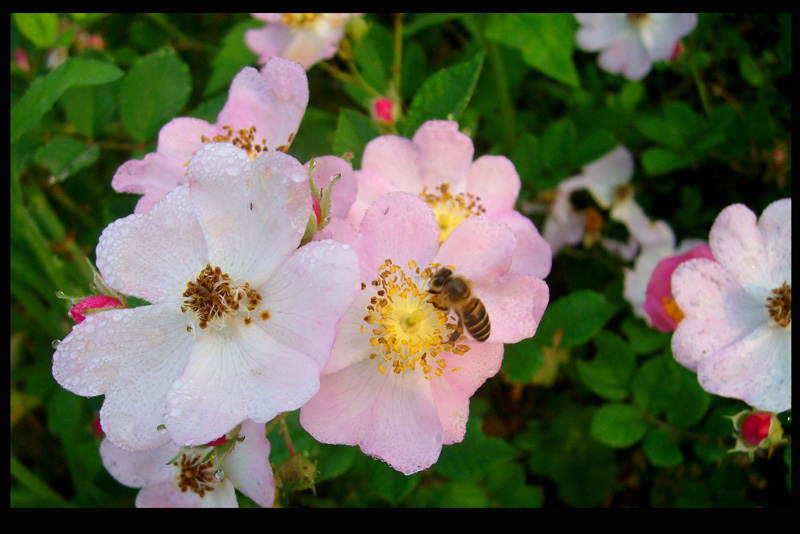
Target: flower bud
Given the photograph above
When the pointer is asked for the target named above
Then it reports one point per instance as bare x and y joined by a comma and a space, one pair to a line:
755, 430
92, 304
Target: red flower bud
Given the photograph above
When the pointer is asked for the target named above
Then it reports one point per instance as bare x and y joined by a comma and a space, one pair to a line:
756, 427
92, 303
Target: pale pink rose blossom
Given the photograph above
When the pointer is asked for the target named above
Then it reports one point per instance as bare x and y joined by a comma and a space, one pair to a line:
737, 329
437, 165
240, 320
396, 385
170, 477
632, 42
263, 112
306, 38
659, 304
607, 179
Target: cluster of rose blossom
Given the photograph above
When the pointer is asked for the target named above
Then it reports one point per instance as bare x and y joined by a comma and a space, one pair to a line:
274, 285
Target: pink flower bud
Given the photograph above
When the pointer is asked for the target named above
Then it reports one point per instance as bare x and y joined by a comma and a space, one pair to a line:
92, 303
219, 441
677, 52
756, 427
317, 209
383, 110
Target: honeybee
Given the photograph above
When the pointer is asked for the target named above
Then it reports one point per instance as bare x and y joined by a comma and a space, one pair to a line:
455, 292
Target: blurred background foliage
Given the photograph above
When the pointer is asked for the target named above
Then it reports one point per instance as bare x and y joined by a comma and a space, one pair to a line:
592, 411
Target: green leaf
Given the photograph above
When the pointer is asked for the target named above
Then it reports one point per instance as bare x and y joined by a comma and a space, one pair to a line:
522, 360
40, 28
390, 484
507, 486
546, 40
475, 455
593, 146
559, 142
233, 56
610, 373
618, 425
691, 401
657, 161
353, 132
661, 449
65, 156
661, 130
656, 384
578, 316
153, 91
644, 339
750, 71
444, 95
374, 56
44, 92
89, 107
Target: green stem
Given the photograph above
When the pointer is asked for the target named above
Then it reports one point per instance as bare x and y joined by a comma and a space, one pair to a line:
701, 86
36, 485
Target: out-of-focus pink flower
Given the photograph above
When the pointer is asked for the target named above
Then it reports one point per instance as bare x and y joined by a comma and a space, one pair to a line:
659, 304
737, 330
172, 477
302, 37
397, 384
91, 304
437, 166
632, 42
263, 113
241, 321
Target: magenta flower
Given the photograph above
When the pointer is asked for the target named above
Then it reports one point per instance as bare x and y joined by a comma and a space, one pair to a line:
398, 384
737, 330
306, 38
240, 320
172, 477
659, 303
632, 42
262, 113
437, 166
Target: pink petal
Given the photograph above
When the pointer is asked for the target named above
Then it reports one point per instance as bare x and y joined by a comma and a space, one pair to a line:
152, 256
664, 31
480, 248
397, 160
168, 495
269, 41
462, 377
248, 467
391, 417
132, 356
755, 368
274, 101
515, 305
533, 254
445, 154
161, 171
138, 469
626, 56
307, 295
400, 227
253, 214
243, 374
775, 226
495, 180
599, 30
371, 187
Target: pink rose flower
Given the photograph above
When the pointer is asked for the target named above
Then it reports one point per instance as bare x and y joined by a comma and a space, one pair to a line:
398, 384
262, 113
240, 320
171, 477
632, 42
437, 166
659, 304
306, 38
737, 330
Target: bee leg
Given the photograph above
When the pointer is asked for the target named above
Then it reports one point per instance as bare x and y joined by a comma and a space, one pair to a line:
459, 329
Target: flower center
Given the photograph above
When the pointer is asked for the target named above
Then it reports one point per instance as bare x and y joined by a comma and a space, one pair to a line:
451, 210
195, 475
407, 329
299, 20
779, 305
672, 309
638, 19
242, 138
213, 296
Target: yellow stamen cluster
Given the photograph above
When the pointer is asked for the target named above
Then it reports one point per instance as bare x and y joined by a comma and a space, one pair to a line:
195, 475
299, 20
242, 138
451, 210
213, 295
407, 329
638, 19
779, 305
